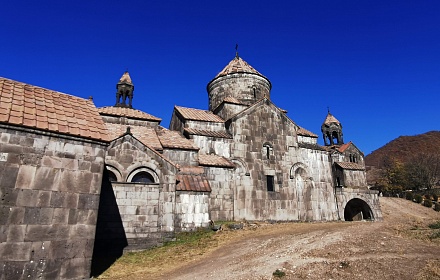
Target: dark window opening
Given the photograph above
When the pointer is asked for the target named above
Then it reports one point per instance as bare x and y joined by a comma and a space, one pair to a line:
111, 176
270, 183
338, 182
143, 177
267, 152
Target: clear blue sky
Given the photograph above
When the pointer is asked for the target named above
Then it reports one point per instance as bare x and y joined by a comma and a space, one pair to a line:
376, 64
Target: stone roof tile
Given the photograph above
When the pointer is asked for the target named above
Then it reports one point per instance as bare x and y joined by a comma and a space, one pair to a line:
35, 107
344, 147
330, 119
196, 183
209, 133
215, 160
198, 115
238, 65
304, 132
350, 165
146, 135
174, 140
127, 112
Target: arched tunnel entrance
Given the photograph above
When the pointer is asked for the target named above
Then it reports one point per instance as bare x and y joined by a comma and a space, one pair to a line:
357, 210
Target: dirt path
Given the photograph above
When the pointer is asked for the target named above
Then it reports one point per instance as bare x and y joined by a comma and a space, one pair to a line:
392, 249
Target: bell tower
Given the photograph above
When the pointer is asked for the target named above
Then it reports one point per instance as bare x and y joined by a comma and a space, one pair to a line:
332, 131
124, 91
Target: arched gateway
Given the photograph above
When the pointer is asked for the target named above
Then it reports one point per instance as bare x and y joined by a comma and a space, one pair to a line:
357, 210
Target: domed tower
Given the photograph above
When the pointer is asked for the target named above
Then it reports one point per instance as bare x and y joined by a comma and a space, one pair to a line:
332, 131
124, 91
238, 83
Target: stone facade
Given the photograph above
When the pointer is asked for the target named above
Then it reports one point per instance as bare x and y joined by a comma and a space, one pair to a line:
123, 182
50, 187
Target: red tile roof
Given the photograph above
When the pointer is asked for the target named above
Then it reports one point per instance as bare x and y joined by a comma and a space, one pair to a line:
238, 65
144, 134
343, 147
48, 110
304, 132
174, 140
195, 183
127, 112
209, 133
197, 115
214, 160
350, 165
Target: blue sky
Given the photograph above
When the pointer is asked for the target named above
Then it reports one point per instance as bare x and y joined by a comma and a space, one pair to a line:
376, 64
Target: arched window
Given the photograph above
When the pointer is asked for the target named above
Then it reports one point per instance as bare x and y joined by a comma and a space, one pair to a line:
142, 177
111, 176
267, 150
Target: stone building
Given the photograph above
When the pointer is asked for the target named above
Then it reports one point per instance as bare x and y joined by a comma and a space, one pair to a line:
124, 182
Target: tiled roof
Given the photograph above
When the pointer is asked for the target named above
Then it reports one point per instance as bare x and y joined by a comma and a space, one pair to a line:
350, 165
209, 133
304, 132
198, 115
191, 170
48, 110
173, 140
126, 78
238, 65
233, 100
196, 183
144, 134
127, 112
214, 160
330, 119
312, 146
343, 147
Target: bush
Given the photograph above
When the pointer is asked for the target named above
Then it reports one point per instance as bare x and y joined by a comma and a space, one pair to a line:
437, 207
434, 197
418, 198
409, 196
427, 203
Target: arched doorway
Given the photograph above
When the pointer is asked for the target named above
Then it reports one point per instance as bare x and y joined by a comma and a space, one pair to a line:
357, 210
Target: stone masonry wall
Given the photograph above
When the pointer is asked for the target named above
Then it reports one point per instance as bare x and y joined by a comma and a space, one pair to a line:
302, 177
146, 211
49, 188
192, 210
221, 198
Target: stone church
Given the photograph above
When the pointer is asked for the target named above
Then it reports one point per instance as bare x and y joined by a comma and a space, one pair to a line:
80, 185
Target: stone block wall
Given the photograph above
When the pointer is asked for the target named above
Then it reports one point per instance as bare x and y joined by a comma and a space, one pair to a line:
370, 197
143, 211
211, 145
221, 198
192, 210
49, 190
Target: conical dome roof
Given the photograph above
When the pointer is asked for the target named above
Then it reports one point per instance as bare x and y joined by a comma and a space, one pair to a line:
125, 78
331, 119
238, 65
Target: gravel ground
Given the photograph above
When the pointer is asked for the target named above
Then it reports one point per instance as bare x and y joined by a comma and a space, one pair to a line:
396, 248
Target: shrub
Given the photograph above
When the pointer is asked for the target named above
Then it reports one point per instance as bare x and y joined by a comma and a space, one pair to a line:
409, 196
279, 273
418, 198
437, 207
427, 203
434, 197
435, 225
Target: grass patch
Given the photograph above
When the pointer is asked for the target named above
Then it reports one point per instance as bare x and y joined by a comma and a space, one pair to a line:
435, 225
187, 245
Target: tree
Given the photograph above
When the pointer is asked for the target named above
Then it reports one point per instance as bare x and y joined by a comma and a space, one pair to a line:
422, 171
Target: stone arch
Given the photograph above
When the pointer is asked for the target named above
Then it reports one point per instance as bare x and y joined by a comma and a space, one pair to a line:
149, 166
115, 171
357, 209
149, 172
241, 166
301, 169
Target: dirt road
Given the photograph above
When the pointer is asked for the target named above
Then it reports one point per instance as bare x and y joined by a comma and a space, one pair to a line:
396, 248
